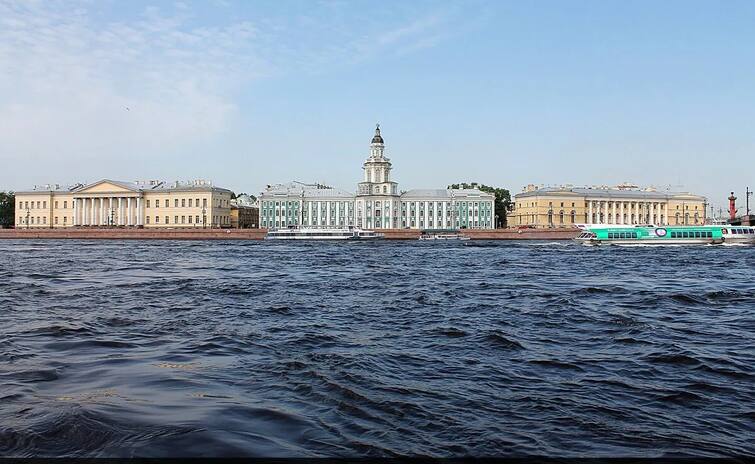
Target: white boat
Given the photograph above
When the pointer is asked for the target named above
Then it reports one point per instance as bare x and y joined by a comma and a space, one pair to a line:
737, 235
318, 233
442, 236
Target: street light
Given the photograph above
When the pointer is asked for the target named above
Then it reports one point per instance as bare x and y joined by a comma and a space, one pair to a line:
111, 219
27, 217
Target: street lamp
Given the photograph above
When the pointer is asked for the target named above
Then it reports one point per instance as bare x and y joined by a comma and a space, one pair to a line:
111, 219
496, 222
27, 217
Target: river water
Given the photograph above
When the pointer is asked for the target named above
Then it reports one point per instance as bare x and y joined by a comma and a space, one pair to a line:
162, 348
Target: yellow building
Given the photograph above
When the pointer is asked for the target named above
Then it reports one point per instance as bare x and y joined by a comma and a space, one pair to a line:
624, 204
109, 203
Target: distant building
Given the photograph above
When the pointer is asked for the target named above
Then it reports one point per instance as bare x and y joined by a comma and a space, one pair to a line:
377, 203
109, 203
625, 204
245, 213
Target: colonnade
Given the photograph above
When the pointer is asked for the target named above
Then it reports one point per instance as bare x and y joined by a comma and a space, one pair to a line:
108, 211
627, 212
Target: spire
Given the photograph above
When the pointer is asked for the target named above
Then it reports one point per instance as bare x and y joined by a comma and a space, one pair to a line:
377, 138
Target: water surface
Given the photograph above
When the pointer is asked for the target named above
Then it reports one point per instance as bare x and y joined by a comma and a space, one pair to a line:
160, 348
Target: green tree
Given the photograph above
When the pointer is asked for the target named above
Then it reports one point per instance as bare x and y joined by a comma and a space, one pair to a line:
7, 209
502, 199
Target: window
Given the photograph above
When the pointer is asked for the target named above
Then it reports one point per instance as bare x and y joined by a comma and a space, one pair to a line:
147, 203
56, 220
189, 219
44, 220
175, 220
189, 202
166, 220
175, 203
197, 219
204, 202
183, 202
157, 205
44, 204
147, 219
197, 202
65, 205
157, 219
183, 219
56, 205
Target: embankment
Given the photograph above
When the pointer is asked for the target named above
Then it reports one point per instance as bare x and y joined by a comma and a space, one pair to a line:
259, 234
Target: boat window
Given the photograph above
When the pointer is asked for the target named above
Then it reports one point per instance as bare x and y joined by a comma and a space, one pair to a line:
685, 234
698, 235
709, 234
673, 234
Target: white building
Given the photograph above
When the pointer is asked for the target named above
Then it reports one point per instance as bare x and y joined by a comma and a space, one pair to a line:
377, 203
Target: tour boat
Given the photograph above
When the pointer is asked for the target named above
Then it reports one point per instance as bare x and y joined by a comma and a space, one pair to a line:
442, 236
652, 235
315, 233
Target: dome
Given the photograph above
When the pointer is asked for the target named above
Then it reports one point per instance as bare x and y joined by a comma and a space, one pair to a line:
377, 138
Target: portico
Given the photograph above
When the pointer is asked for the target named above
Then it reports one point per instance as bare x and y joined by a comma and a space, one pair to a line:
108, 203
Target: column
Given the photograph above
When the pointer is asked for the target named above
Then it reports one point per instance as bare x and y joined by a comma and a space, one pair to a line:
75, 209
92, 217
138, 211
128, 210
119, 216
613, 213
589, 212
665, 213
605, 212
621, 213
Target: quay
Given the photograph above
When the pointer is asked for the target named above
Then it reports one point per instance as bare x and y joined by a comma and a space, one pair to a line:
259, 234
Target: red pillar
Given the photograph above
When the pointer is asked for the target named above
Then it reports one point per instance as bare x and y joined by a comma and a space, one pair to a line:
732, 206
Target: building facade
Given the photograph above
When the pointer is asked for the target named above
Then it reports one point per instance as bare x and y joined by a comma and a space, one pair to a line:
109, 203
377, 204
245, 213
551, 207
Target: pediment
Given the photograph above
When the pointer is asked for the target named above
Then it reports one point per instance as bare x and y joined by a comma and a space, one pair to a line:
108, 186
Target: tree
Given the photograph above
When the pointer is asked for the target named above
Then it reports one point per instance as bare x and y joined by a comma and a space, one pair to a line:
7, 209
502, 199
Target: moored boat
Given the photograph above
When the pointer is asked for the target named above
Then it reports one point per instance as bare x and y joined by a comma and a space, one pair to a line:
737, 235
316, 233
442, 235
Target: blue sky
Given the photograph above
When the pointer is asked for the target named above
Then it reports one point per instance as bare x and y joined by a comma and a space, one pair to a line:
255, 92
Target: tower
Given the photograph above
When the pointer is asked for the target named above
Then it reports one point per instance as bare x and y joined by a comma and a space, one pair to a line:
732, 206
377, 194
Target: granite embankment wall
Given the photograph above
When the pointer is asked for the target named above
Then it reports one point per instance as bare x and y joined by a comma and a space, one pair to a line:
259, 234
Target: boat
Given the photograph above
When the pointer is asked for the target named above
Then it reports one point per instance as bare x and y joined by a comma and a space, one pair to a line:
322, 233
443, 236
737, 235
652, 235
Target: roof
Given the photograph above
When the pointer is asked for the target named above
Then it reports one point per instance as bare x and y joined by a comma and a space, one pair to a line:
377, 138
605, 193
310, 190
136, 186
446, 193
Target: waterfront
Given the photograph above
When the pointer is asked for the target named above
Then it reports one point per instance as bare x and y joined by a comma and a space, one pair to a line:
152, 348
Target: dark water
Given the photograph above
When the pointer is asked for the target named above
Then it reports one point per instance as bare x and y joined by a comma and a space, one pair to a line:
379, 349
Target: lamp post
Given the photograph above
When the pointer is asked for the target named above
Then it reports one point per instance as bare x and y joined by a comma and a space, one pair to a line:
27, 217
496, 222
111, 218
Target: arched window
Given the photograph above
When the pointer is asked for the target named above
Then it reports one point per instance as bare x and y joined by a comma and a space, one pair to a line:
550, 218
561, 217
573, 216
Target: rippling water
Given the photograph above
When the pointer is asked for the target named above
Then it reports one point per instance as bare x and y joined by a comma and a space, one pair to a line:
375, 349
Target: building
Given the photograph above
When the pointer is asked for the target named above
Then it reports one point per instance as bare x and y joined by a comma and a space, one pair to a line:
377, 204
109, 203
245, 213
624, 204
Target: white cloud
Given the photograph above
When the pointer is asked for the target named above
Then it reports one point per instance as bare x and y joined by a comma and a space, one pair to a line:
79, 94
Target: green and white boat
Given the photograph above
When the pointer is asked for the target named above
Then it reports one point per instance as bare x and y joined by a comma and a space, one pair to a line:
651, 235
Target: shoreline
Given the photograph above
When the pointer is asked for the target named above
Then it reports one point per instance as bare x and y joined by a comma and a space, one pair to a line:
259, 234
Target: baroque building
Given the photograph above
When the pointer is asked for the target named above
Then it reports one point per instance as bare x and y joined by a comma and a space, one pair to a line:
109, 203
624, 204
377, 204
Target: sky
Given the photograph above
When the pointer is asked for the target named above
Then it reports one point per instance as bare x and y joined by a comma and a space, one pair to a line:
505, 93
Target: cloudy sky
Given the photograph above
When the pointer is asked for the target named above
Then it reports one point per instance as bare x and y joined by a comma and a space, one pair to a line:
503, 92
